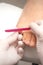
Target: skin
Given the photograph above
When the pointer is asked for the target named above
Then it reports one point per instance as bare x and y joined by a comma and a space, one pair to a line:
33, 11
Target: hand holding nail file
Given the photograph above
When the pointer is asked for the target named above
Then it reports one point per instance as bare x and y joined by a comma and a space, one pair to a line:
38, 30
9, 54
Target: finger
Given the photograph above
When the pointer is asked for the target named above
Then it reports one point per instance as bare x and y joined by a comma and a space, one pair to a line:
20, 51
13, 57
35, 28
20, 36
12, 38
20, 44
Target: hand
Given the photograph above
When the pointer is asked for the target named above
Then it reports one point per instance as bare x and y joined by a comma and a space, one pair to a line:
8, 52
38, 31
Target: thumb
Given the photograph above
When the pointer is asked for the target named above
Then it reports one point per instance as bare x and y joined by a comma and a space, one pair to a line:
35, 27
13, 56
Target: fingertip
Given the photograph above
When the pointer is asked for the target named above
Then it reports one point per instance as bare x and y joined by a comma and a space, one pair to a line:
35, 28
31, 24
20, 51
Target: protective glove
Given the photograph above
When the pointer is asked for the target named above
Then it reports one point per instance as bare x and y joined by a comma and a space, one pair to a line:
8, 53
37, 28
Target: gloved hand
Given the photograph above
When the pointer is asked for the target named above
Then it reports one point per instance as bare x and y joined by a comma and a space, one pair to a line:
8, 53
38, 31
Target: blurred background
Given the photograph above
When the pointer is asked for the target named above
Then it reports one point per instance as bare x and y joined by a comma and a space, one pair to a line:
19, 3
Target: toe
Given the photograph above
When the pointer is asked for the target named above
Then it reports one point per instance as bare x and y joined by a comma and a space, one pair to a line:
29, 39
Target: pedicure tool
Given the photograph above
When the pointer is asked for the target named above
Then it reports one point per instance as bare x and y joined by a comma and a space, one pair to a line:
17, 29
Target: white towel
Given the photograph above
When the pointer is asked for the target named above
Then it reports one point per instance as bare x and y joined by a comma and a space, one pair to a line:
9, 16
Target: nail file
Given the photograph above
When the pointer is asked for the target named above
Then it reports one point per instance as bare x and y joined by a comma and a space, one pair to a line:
17, 30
